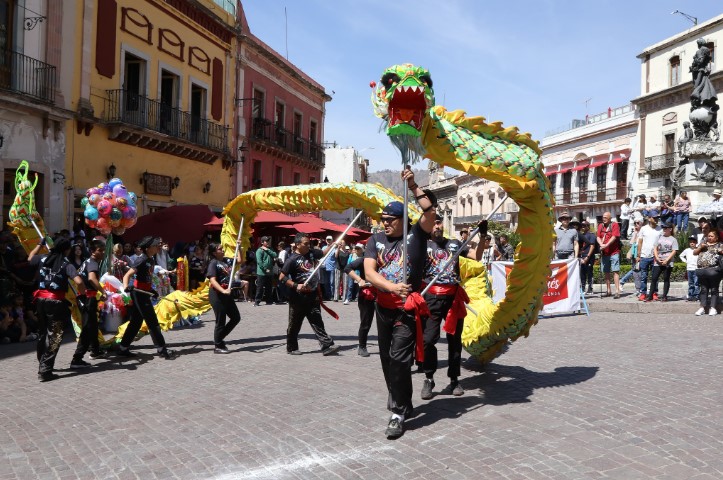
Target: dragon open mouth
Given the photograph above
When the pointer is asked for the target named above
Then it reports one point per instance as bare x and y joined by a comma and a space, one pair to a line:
406, 109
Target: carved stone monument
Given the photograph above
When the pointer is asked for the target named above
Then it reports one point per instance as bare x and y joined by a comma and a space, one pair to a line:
699, 146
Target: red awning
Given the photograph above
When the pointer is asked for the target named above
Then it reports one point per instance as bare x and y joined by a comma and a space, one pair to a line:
598, 163
616, 160
580, 167
564, 170
551, 173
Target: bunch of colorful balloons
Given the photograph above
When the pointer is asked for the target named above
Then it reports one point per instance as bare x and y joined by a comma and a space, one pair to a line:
110, 207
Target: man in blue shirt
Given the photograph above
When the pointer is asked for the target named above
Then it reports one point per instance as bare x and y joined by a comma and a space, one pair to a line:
329, 268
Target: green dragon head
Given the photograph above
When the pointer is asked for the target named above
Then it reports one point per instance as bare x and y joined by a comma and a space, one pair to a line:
403, 98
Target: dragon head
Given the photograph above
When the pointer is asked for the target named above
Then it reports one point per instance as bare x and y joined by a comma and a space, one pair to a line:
402, 98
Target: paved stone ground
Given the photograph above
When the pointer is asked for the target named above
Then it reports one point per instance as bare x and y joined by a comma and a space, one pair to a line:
606, 396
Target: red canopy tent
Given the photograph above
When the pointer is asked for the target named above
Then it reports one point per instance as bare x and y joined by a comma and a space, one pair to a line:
180, 223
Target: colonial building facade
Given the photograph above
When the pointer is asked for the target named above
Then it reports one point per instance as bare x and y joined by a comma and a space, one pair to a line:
33, 107
664, 101
589, 164
281, 119
151, 100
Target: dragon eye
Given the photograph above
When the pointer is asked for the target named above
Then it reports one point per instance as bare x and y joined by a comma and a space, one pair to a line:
426, 79
389, 78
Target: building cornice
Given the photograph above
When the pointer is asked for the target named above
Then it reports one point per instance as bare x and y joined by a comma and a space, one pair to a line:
620, 126
694, 32
271, 55
672, 96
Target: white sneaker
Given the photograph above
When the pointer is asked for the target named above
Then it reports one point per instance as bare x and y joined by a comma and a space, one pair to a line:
346, 302
712, 312
700, 311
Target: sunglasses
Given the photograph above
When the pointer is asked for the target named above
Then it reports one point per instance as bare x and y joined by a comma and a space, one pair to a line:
389, 219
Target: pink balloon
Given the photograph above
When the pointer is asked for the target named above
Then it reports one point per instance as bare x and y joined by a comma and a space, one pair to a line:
104, 208
129, 212
109, 196
121, 203
103, 224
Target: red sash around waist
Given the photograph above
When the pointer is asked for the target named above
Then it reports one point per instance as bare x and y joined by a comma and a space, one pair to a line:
457, 310
143, 285
415, 305
368, 293
91, 293
53, 294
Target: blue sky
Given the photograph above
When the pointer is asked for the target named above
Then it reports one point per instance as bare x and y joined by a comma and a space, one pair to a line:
528, 63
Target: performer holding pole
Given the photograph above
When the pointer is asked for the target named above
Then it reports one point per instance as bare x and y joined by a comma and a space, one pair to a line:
365, 299
299, 274
399, 329
52, 309
446, 300
142, 308
336, 243
220, 276
89, 272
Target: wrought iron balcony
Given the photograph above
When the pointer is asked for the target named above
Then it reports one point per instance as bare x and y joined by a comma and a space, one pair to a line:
267, 132
129, 108
28, 76
661, 165
592, 196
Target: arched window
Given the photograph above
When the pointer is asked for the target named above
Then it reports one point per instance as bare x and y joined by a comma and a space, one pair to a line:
674, 71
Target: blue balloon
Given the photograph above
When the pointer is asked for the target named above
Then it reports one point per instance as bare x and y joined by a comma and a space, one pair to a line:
91, 213
132, 197
113, 182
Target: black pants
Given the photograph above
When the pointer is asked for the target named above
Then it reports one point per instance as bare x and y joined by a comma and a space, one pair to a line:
624, 229
366, 315
397, 334
709, 291
263, 289
88, 339
142, 309
223, 306
52, 316
657, 270
586, 274
439, 305
308, 307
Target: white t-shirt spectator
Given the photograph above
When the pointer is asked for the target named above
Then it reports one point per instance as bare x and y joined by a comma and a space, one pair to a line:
691, 261
625, 212
650, 237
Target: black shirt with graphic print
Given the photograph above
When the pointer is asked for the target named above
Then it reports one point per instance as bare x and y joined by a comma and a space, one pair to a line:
221, 269
299, 267
437, 255
387, 251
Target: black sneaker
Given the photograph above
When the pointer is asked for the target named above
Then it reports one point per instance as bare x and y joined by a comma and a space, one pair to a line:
427, 389
167, 353
395, 428
362, 352
125, 352
48, 376
79, 363
99, 355
330, 350
221, 349
257, 304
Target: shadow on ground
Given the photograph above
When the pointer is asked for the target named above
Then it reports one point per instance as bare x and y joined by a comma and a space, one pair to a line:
496, 385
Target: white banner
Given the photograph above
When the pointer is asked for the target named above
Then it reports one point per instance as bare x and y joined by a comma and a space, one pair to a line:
563, 285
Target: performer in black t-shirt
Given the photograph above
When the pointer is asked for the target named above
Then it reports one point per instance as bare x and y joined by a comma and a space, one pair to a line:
219, 294
304, 301
397, 329
142, 308
446, 301
365, 300
55, 272
89, 271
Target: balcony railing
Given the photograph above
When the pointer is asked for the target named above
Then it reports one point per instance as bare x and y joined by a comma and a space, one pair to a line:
591, 196
28, 76
134, 109
660, 162
266, 131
